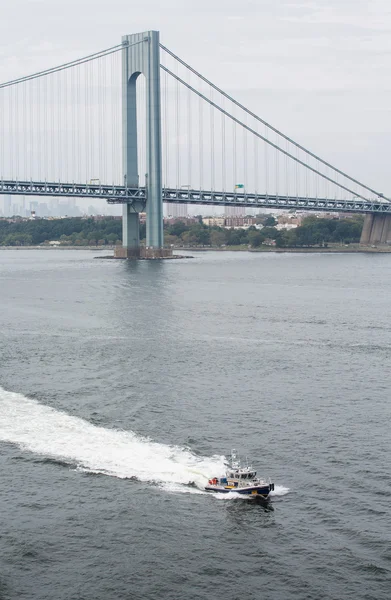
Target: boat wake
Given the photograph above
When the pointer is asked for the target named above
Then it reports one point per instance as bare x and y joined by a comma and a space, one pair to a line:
55, 435
59, 437
279, 490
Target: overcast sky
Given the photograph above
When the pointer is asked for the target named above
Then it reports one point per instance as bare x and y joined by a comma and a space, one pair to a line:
317, 69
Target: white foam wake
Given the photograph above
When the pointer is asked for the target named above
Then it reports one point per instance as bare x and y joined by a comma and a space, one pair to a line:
37, 428
279, 490
43, 430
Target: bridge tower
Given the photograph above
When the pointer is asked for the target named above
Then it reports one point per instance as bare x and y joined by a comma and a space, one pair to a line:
142, 56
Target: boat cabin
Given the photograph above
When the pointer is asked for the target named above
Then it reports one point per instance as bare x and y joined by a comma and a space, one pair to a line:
242, 475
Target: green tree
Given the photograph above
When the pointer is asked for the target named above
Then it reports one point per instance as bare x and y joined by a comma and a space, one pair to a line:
270, 221
170, 239
255, 238
177, 228
270, 233
217, 237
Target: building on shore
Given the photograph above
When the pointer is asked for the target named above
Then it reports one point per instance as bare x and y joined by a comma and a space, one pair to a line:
230, 222
185, 220
214, 221
176, 210
240, 222
235, 211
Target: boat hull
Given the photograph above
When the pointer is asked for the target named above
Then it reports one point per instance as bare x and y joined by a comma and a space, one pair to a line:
263, 491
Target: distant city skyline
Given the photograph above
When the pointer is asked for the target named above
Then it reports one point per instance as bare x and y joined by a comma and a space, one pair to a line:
52, 207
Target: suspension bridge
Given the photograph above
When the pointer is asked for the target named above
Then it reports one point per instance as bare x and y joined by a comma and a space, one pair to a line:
136, 125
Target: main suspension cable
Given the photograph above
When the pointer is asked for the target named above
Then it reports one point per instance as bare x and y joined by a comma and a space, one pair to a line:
239, 122
242, 107
73, 63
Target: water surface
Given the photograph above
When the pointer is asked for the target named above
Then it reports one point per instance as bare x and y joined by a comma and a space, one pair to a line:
122, 382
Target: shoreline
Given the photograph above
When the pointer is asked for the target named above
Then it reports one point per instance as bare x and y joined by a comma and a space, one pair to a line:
351, 249
95, 248
313, 250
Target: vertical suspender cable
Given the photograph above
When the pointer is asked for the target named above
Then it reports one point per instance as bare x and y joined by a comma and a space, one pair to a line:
118, 129
67, 76
36, 174
327, 186
307, 179
75, 127
86, 112
201, 140
277, 168
256, 164
91, 123
12, 131
47, 108
24, 134
97, 118
102, 118
166, 131
2, 133
177, 128
234, 153
212, 145
266, 160
286, 170
16, 132
223, 158
105, 120
51, 127
189, 132
245, 182
60, 128
113, 140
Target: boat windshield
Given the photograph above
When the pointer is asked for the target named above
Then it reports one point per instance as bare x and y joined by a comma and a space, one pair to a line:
238, 475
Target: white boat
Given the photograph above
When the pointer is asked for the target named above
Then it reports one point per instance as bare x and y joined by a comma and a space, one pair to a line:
242, 480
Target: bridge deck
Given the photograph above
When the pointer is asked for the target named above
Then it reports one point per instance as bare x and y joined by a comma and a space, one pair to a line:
115, 194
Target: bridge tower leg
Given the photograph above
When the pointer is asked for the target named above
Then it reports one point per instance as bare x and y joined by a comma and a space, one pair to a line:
376, 229
367, 229
142, 56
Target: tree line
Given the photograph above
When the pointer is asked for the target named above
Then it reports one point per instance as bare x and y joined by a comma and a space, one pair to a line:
312, 232
73, 231
86, 232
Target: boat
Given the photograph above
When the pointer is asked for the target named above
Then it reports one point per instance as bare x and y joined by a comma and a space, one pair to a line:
239, 479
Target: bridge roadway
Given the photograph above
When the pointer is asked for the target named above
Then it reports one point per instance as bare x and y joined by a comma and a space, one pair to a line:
116, 194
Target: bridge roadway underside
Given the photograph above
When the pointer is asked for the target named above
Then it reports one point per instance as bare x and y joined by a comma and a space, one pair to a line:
137, 197
376, 230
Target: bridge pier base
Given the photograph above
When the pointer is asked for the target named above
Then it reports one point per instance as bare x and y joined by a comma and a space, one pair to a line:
131, 236
376, 230
152, 253
130, 231
142, 253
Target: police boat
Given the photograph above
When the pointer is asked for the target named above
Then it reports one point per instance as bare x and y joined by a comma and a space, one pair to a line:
242, 480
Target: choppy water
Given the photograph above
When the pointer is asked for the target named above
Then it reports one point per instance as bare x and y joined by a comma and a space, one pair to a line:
121, 383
